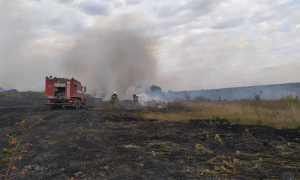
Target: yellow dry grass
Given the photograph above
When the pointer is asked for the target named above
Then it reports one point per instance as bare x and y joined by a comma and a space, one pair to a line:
245, 113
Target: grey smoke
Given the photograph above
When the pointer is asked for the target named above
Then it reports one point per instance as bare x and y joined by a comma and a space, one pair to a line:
2, 89
112, 58
148, 92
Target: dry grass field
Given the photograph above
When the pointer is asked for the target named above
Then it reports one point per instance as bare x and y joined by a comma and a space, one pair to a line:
281, 114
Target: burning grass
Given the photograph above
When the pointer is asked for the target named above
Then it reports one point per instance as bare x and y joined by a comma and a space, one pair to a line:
280, 114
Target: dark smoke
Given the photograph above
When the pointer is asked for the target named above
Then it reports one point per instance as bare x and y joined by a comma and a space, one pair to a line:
112, 58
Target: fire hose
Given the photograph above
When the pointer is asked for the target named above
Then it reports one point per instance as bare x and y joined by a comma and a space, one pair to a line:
120, 105
80, 103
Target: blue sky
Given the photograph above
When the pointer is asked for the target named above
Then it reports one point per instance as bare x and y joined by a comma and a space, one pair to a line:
199, 44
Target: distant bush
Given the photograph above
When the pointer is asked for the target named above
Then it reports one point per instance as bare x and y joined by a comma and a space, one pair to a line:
293, 101
202, 99
21, 95
175, 105
187, 96
257, 96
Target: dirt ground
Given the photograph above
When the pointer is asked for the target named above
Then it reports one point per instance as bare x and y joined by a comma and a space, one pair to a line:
120, 146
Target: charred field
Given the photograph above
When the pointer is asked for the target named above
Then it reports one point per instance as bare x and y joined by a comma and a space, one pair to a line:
117, 144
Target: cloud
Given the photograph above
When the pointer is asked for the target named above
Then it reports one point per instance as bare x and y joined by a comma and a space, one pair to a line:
192, 9
203, 6
207, 53
55, 21
28, 44
133, 2
262, 16
118, 4
64, 1
169, 9
15, 53
230, 23
199, 44
268, 66
94, 8
279, 2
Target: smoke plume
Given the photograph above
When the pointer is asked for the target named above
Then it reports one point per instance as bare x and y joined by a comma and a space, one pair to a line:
108, 58
148, 92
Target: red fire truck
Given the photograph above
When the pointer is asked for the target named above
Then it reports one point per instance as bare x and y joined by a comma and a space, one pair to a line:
63, 92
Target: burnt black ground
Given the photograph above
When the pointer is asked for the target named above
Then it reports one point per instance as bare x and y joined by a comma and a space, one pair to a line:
120, 146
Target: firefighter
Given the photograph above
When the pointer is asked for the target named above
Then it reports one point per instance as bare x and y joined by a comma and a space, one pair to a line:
114, 99
135, 100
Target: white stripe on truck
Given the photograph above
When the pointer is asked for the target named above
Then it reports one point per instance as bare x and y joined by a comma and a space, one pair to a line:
68, 89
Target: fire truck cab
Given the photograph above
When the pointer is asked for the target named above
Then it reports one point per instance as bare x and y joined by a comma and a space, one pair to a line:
63, 92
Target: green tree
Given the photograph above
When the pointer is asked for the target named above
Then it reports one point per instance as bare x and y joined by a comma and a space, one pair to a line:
293, 101
257, 96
